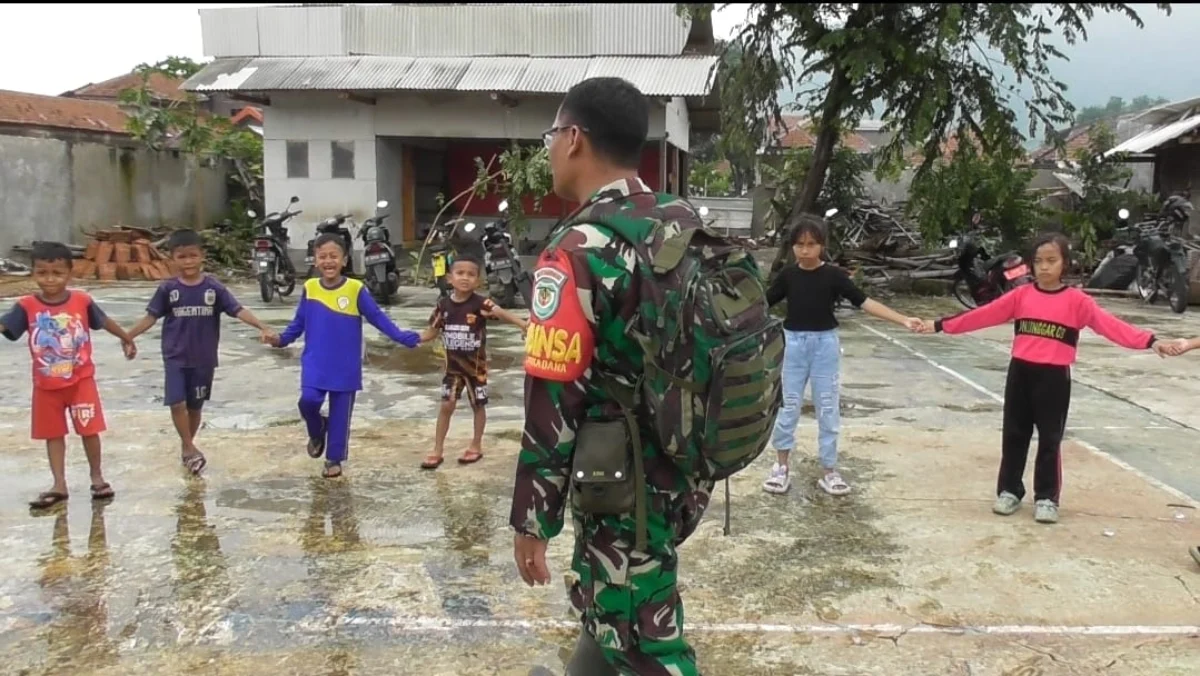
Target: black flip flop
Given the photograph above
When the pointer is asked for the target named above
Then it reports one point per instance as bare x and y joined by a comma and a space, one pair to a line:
103, 492
316, 447
329, 466
47, 500
195, 463
426, 464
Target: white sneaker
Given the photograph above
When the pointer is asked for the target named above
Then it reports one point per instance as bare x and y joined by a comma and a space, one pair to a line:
779, 481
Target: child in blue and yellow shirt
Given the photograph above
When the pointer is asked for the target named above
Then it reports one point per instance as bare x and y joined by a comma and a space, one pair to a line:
330, 316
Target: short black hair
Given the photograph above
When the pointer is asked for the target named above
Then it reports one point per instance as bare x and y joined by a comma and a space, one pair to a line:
330, 237
467, 258
50, 252
186, 237
613, 114
811, 225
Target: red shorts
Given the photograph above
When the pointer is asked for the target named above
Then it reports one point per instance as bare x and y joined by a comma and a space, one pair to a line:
82, 400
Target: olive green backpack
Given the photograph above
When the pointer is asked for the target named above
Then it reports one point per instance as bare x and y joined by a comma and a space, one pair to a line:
712, 351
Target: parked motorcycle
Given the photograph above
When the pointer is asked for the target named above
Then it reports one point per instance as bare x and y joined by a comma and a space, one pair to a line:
1162, 261
505, 277
333, 225
379, 259
271, 261
1118, 269
979, 279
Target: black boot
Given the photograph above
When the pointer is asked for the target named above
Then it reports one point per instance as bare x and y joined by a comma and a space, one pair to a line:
588, 659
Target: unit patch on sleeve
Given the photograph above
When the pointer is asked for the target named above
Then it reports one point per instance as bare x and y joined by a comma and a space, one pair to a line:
560, 343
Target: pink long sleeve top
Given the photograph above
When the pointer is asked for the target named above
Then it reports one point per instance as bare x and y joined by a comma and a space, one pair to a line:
1047, 323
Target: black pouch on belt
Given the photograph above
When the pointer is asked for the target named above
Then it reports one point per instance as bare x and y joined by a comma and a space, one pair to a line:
601, 479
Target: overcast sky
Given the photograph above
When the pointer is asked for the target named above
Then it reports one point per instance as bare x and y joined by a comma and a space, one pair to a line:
51, 49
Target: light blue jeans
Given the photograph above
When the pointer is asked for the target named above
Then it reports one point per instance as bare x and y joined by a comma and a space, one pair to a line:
811, 356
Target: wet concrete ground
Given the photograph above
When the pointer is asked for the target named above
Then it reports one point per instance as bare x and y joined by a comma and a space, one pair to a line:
262, 567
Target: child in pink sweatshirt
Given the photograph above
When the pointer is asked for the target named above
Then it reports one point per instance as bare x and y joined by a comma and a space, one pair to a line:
1047, 317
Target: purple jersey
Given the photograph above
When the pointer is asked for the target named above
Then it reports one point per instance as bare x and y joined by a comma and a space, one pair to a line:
192, 325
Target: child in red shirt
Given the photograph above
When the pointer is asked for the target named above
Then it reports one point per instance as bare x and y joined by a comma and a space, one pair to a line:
59, 323
1047, 317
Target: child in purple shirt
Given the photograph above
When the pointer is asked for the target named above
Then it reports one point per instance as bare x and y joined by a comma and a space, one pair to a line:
192, 304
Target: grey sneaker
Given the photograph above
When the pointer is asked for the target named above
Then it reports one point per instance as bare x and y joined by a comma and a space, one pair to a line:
1046, 512
1006, 504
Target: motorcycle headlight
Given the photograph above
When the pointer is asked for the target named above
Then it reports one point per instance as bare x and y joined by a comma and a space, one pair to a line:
954, 243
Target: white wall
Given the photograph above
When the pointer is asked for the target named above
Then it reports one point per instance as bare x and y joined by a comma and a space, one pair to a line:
322, 117
389, 162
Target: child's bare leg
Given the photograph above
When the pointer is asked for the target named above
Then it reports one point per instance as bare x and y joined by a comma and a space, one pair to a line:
480, 422
443, 428
91, 447
195, 417
56, 454
182, 418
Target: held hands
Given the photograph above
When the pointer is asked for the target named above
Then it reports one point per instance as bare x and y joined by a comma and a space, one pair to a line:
129, 348
1171, 348
914, 324
268, 337
410, 339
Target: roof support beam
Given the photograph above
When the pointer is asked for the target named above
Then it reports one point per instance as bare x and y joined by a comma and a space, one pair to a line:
248, 98
357, 98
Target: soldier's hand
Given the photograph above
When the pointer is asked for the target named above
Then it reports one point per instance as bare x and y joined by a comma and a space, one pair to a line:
530, 555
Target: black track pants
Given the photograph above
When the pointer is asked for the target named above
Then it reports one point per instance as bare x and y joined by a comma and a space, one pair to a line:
1034, 395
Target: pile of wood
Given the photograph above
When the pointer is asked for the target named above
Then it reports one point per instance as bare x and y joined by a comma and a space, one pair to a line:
123, 253
878, 268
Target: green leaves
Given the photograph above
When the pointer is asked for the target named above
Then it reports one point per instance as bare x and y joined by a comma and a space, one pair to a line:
524, 172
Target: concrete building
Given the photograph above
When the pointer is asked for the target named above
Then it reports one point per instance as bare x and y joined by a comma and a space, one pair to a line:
1167, 137
397, 102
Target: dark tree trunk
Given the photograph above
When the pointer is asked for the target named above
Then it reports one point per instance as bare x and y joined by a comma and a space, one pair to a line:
827, 138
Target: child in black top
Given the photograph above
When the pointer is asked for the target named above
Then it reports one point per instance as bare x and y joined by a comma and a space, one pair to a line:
813, 352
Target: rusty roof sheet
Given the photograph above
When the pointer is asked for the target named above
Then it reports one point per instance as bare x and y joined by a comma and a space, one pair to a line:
58, 112
655, 76
162, 86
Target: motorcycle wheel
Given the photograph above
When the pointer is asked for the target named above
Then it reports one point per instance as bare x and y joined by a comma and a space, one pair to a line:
289, 283
266, 286
1147, 286
507, 298
962, 291
1177, 287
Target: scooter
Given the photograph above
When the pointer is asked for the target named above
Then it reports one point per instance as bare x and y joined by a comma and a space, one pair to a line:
379, 259
505, 277
332, 225
979, 280
1162, 262
271, 261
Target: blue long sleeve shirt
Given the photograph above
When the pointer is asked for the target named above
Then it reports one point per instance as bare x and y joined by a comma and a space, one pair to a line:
330, 319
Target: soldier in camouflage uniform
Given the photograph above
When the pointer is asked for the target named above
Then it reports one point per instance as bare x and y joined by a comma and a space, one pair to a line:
627, 598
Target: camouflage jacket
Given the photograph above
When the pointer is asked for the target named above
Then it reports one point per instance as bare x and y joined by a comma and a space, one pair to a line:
602, 269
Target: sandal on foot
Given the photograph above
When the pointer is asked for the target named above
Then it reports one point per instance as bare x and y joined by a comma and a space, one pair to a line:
833, 484
195, 463
779, 481
48, 499
332, 470
103, 492
432, 462
316, 447
469, 457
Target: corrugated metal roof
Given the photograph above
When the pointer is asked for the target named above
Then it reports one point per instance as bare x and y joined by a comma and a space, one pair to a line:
655, 76
434, 74
447, 30
220, 75
1154, 138
678, 76
552, 75
380, 72
501, 73
319, 73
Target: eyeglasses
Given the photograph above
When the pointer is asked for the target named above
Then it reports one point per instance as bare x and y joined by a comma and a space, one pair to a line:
548, 135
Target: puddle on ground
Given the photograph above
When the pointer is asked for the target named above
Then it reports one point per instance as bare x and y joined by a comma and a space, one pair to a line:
425, 361
864, 386
977, 407
851, 407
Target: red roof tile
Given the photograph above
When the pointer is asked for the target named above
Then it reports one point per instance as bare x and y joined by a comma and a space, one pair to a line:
1076, 142
797, 133
61, 113
250, 113
162, 87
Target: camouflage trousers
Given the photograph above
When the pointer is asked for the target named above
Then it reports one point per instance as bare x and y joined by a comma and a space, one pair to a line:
629, 600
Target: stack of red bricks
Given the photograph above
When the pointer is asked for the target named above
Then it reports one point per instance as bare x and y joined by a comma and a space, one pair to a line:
122, 253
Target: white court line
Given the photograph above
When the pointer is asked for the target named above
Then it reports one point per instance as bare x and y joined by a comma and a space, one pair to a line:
1070, 428
416, 624
980, 388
